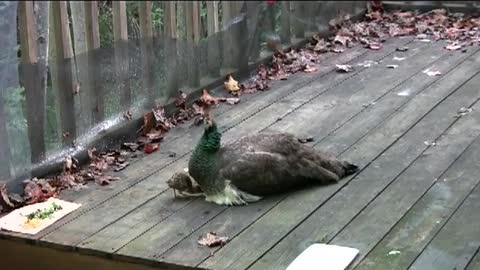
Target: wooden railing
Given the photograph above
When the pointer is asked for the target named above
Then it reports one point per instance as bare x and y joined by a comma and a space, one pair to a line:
63, 62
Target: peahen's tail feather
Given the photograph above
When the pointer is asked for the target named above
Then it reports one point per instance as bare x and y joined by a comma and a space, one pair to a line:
350, 168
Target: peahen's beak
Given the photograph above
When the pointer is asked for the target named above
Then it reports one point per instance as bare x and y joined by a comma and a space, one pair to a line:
208, 118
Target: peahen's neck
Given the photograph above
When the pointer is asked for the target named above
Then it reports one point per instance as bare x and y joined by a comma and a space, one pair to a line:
203, 165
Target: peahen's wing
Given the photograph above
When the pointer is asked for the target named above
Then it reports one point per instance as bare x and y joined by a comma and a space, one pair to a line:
262, 172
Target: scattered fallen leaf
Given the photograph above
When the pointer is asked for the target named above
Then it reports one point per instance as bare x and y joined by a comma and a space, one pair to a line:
181, 100
453, 46
432, 72
4, 196
208, 99
231, 85
121, 166
430, 143
232, 101
367, 63
130, 146
213, 240
374, 46
344, 68
310, 69
151, 147
393, 252
128, 115
464, 111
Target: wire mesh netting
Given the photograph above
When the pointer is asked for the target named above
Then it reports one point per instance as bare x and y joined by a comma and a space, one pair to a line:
87, 95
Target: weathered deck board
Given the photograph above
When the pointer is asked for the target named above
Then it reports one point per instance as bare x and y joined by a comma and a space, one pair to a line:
337, 115
474, 262
416, 229
267, 116
333, 215
408, 187
457, 242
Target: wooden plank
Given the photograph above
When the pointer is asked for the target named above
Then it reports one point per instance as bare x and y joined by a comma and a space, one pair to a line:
64, 71
241, 221
373, 115
391, 130
92, 35
120, 36
474, 262
192, 25
407, 188
285, 22
61, 259
421, 57
252, 125
457, 242
146, 32
34, 91
187, 136
418, 227
213, 28
285, 216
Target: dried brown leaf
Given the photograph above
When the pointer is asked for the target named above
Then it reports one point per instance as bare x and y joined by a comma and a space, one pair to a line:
4, 196
208, 99
310, 69
213, 240
151, 147
231, 85
344, 68
181, 100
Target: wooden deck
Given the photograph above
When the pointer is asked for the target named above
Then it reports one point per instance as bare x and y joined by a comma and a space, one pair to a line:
418, 199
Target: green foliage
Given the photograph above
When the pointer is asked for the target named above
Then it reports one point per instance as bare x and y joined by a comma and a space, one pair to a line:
157, 17
17, 126
105, 26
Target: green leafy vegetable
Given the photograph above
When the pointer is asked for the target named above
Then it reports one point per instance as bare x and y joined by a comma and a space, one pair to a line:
45, 213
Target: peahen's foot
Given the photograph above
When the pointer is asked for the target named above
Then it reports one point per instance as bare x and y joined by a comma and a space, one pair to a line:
190, 194
232, 196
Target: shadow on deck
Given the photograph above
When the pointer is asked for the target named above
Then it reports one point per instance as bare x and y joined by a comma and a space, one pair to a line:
417, 192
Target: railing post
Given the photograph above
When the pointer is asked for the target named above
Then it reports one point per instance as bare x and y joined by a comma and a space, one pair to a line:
120, 36
92, 35
171, 62
146, 31
299, 26
34, 92
192, 25
213, 40
64, 57
285, 22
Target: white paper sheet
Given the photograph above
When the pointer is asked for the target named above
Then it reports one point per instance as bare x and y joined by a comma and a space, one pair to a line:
324, 257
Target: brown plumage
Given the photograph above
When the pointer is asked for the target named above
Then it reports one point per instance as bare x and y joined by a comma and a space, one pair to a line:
264, 164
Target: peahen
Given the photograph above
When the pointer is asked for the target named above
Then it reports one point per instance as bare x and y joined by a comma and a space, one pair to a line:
255, 166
